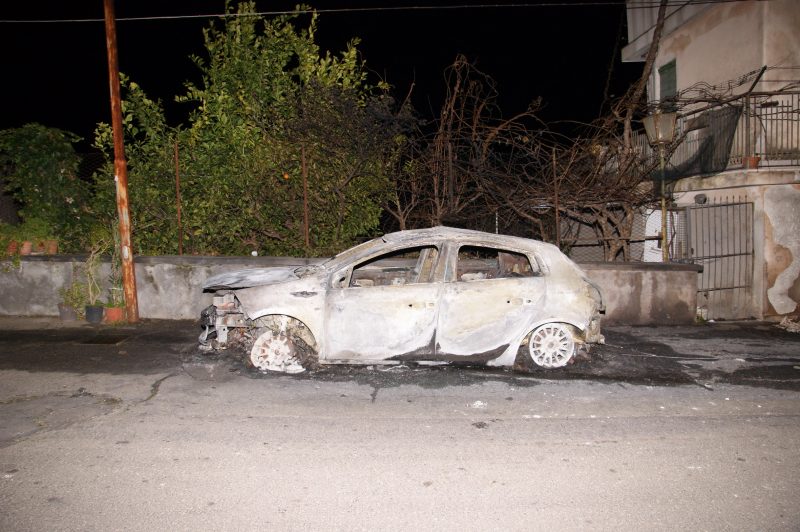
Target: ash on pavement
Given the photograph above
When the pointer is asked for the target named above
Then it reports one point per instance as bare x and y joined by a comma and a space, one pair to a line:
745, 353
748, 353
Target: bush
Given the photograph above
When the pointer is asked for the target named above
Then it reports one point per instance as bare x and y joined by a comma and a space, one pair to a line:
39, 166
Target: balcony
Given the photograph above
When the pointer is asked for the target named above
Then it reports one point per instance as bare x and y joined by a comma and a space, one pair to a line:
755, 130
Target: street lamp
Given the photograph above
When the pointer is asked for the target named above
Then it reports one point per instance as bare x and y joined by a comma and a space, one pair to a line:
660, 129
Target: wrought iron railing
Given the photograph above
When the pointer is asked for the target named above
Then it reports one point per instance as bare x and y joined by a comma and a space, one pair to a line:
758, 129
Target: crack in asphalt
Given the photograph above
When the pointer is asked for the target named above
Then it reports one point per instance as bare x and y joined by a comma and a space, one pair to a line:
154, 388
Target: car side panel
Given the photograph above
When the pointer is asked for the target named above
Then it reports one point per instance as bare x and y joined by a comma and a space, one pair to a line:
485, 316
380, 322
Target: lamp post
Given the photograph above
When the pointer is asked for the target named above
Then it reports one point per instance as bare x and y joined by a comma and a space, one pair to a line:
660, 129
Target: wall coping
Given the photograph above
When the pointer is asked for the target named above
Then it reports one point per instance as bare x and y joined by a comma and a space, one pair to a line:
265, 262
195, 260
642, 266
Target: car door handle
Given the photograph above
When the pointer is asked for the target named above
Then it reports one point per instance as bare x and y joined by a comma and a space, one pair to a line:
426, 304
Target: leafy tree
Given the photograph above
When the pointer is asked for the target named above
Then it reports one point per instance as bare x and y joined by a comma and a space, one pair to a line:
276, 137
349, 143
149, 152
39, 166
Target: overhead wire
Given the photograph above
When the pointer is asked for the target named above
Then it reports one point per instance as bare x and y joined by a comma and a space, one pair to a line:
645, 4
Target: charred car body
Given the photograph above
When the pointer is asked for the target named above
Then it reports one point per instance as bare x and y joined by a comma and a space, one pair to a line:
428, 296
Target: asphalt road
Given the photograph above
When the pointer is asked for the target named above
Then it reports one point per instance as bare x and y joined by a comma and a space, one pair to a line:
130, 428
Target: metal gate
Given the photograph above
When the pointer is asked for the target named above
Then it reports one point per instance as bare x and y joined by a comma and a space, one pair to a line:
719, 237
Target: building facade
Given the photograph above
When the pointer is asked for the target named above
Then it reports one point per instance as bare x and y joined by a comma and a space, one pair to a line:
731, 71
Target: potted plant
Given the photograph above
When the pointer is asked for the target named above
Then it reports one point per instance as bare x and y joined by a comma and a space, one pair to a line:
10, 244
751, 162
94, 307
115, 306
73, 299
36, 236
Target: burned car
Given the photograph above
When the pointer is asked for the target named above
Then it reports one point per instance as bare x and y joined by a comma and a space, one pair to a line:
425, 296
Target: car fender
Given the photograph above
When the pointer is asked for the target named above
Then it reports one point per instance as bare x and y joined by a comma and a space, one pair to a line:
300, 302
508, 356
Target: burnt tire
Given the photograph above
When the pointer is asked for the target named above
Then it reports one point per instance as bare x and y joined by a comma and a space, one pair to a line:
281, 344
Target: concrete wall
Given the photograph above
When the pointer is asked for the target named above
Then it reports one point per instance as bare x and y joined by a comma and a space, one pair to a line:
717, 43
782, 249
642, 16
639, 293
170, 287
775, 195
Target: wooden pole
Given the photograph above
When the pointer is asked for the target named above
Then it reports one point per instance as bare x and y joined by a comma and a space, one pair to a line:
120, 169
556, 206
178, 199
304, 171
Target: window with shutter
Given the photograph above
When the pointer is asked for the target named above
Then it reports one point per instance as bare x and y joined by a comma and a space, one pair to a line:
668, 86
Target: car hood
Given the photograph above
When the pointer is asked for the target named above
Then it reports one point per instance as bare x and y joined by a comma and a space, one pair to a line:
258, 277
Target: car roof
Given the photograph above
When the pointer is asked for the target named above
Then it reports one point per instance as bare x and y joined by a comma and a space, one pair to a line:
548, 252
453, 233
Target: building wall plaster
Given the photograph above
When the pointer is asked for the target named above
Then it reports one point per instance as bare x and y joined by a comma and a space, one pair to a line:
718, 45
775, 195
782, 41
782, 247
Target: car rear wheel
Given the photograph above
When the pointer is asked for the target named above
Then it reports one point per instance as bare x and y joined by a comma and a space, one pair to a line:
282, 344
552, 345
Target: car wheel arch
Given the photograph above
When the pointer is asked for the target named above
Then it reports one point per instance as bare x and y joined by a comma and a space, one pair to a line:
577, 325
313, 324
297, 338
510, 355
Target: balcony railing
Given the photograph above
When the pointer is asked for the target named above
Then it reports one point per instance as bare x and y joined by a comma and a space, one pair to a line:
765, 126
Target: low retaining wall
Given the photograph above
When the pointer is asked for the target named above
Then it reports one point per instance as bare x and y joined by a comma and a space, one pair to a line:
646, 293
170, 287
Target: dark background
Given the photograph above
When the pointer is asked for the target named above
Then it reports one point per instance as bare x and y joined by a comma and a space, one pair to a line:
55, 73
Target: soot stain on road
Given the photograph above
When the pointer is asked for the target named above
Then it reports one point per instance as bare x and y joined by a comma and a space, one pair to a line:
773, 376
627, 357
603, 366
379, 377
752, 354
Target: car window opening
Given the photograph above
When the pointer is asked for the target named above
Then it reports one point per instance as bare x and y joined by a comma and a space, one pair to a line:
477, 263
405, 266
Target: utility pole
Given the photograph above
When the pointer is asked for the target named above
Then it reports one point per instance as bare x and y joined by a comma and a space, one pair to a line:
120, 169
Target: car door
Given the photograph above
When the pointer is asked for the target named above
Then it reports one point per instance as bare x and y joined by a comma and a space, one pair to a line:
489, 298
384, 307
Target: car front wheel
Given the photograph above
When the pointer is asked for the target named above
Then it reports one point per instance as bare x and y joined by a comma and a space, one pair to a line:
282, 344
552, 345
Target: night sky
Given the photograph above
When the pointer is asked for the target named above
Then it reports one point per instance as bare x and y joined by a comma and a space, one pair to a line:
55, 73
